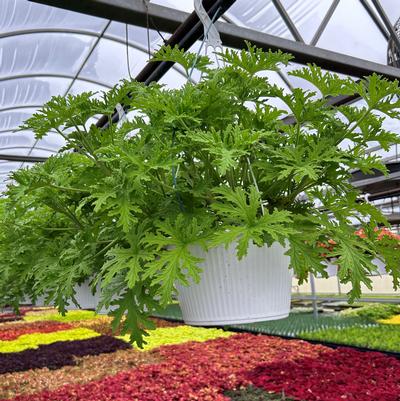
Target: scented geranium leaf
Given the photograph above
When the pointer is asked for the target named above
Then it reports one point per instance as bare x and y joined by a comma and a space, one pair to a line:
329, 84
227, 147
376, 216
185, 59
116, 198
125, 211
244, 222
129, 310
237, 205
380, 94
369, 164
354, 258
389, 250
175, 262
172, 265
101, 198
129, 261
253, 60
305, 256
302, 104
63, 112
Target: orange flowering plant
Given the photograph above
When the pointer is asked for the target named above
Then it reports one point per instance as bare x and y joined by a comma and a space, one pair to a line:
386, 241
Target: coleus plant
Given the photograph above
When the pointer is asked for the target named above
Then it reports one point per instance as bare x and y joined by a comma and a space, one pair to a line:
209, 163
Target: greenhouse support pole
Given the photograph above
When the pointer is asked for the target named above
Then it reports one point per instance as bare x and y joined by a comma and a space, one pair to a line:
313, 296
338, 285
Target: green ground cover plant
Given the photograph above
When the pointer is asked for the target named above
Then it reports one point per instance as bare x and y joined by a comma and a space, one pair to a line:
380, 337
209, 164
373, 312
252, 393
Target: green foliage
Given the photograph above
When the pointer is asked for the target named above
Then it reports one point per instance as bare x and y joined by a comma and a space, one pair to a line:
251, 393
381, 337
209, 163
373, 312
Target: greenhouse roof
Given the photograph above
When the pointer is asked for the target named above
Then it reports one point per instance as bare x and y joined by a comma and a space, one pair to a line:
46, 51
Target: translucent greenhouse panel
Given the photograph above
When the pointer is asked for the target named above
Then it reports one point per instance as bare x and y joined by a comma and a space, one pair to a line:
173, 79
52, 142
12, 119
260, 15
21, 15
31, 92
351, 31
136, 35
99, 68
83, 86
43, 54
14, 140
5, 168
307, 15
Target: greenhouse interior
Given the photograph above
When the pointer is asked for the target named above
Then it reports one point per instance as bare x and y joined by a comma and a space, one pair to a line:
199, 200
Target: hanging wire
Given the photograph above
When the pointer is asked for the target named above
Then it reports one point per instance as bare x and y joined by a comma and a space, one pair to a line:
156, 29
146, 4
127, 51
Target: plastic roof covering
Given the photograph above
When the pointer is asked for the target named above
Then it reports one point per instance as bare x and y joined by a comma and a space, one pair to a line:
46, 51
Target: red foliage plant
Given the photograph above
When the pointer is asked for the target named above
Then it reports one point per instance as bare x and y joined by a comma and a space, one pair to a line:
9, 332
191, 371
341, 374
203, 371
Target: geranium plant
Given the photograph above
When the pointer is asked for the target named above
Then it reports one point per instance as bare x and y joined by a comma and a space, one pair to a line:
210, 163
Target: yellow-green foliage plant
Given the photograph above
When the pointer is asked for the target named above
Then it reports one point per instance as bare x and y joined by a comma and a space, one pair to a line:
391, 320
32, 341
71, 316
178, 335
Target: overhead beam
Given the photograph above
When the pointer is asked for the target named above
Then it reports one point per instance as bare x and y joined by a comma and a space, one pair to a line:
24, 159
133, 12
167, 19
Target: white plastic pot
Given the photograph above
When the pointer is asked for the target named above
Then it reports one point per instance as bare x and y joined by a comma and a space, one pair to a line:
256, 288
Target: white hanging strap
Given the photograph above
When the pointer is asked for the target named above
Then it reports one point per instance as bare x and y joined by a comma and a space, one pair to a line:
211, 34
121, 114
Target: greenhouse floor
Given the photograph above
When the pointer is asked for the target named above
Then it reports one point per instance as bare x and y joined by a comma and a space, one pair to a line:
46, 357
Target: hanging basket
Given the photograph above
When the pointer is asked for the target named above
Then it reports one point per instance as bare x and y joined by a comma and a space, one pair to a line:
256, 288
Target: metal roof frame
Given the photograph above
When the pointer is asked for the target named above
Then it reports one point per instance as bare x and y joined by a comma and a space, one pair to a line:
167, 19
